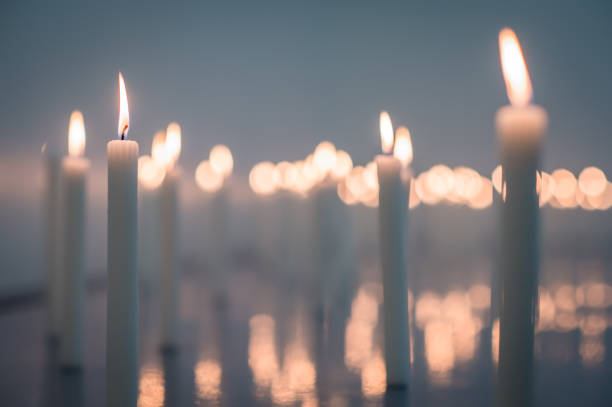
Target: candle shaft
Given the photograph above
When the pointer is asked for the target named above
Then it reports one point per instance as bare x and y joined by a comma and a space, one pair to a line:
52, 243
520, 131
393, 205
122, 299
170, 275
73, 281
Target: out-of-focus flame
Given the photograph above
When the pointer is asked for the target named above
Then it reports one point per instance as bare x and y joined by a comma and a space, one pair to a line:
386, 132
76, 134
221, 160
324, 157
343, 164
150, 173
124, 113
207, 178
402, 149
496, 178
516, 76
592, 181
263, 178
173, 142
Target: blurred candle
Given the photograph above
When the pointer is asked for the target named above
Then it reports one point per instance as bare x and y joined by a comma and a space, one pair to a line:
74, 170
170, 272
393, 205
520, 128
52, 243
122, 298
150, 177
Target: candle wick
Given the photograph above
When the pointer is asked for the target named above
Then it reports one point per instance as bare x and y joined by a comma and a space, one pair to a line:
124, 131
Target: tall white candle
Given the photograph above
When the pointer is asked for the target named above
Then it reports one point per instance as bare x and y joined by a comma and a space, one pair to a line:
170, 271
520, 128
74, 168
122, 298
52, 242
393, 205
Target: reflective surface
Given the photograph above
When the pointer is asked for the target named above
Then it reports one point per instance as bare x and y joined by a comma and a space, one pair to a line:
270, 342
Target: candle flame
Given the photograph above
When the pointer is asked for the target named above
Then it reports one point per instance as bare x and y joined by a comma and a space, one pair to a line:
124, 113
76, 134
516, 76
221, 160
403, 146
173, 142
386, 132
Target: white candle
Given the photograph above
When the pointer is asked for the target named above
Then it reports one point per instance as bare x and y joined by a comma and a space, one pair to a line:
393, 205
74, 169
520, 129
122, 298
170, 271
52, 242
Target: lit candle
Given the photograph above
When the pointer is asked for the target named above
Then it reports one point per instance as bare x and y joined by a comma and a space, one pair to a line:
393, 205
74, 169
520, 128
170, 272
52, 243
122, 298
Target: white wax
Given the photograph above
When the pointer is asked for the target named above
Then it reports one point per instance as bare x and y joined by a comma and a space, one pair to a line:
393, 205
53, 243
520, 132
122, 297
169, 273
73, 274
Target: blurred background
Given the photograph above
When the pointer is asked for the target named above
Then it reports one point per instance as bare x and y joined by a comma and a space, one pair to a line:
271, 80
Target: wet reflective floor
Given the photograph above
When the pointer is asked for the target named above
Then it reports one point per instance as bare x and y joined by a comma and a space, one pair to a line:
273, 340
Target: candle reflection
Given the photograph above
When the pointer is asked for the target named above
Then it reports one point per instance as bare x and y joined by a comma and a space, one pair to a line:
151, 387
208, 379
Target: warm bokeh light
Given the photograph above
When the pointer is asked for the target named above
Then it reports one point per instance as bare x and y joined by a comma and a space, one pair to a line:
343, 164
439, 350
151, 387
124, 113
547, 188
324, 157
262, 350
150, 173
592, 181
484, 198
207, 178
76, 134
374, 376
467, 183
207, 376
386, 133
173, 142
496, 178
440, 180
263, 178
221, 160
516, 76
565, 185
288, 174
402, 149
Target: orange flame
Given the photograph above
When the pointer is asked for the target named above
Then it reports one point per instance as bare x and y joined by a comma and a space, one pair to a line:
386, 132
124, 113
516, 76
403, 146
76, 134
